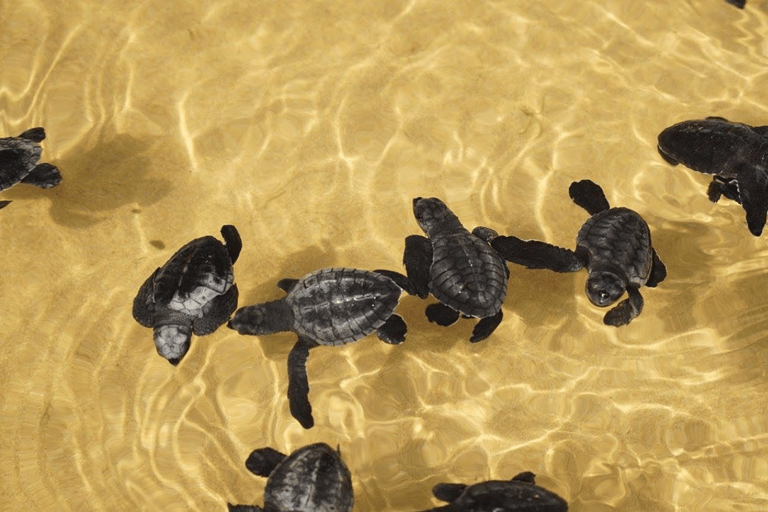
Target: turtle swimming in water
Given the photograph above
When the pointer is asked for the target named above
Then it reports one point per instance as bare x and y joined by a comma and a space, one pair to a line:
331, 306
521, 494
313, 478
18, 161
736, 154
614, 245
461, 270
194, 291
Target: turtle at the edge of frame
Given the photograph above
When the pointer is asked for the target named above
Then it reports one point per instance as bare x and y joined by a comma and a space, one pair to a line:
313, 478
461, 270
521, 494
614, 245
735, 154
331, 306
18, 162
194, 291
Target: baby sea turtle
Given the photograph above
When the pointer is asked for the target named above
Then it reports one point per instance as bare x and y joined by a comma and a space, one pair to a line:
331, 306
18, 161
312, 479
521, 494
614, 245
736, 154
194, 291
459, 268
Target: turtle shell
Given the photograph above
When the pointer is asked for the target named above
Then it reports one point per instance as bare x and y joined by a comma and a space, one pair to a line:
467, 274
618, 240
336, 306
313, 478
507, 496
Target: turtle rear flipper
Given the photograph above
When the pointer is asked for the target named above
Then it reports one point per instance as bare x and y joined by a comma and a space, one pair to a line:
448, 492
34, 134
393, 331
233, 242
753, 191
243, 508
298, 385
418, 260
536, 255
526, 476
486, 326
626, 310
143, 304
263, 461
43, 176
3, 204
588, 195
723, 187
658, 271
222, 307
441, 314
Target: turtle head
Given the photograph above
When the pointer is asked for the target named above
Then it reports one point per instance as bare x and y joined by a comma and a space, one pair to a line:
431, 212
172, 341
604, 288
266, 318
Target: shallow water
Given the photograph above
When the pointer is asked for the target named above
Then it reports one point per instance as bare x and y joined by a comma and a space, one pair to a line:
311, 127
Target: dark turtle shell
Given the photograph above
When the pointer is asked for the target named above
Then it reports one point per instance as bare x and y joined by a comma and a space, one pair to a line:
18, 161
617, 240
336, 306
467, 274
520, 494
312, 479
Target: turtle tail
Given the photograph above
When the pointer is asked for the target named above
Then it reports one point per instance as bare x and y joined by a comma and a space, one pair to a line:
266, 318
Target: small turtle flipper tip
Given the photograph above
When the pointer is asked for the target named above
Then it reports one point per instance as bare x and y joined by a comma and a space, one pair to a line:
3, 204
626, 310
588, 195
233, 242
34, 134
43, 176
243, 508
298, 384
263, 461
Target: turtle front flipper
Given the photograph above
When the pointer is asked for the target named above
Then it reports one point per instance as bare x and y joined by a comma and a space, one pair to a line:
658, 271
144, 304
441, 314
526, 476
43, 176
393, 331
588, 195
626, 310
417, 259
400, 280
723, 187
486, 326
233, 242
263, 461
536, 255
221, 308
448, 492
34, 134
243, 508
298, 385
753, 191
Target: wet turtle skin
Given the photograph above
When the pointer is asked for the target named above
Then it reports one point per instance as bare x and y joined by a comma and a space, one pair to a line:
735, 153
193, 292
460, 269
313, 478
520, 494
331, 306
18, 161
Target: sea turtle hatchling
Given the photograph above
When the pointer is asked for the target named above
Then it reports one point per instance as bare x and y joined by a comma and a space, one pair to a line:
313, 478
461, 270
736, 154
18, 161
521, 494
331, 306
614, 245
194, 291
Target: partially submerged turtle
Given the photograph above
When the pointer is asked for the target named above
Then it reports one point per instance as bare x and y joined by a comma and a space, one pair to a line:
461, 270
312, 479
614, 245
194, 291
736, 154
331, 306
521, 494
18, 161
